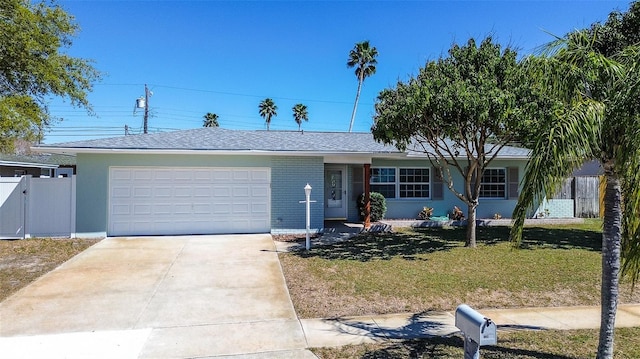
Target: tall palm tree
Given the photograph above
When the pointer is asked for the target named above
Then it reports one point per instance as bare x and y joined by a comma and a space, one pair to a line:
599, 118
210, 120
300, 114
267, 109
363, 57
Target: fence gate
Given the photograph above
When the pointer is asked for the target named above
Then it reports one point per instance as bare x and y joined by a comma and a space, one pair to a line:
587, 197
37, 207
51, 207
12, 207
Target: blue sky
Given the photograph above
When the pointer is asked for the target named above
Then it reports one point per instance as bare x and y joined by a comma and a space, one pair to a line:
226, 56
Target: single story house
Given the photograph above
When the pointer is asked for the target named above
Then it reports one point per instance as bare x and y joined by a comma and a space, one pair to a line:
214, 180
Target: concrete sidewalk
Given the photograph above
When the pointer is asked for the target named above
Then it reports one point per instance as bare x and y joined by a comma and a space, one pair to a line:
371, 329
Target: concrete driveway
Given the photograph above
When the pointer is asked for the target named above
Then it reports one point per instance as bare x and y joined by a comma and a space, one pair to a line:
158, 297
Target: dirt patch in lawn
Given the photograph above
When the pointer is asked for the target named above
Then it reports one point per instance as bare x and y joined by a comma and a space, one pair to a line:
25, 260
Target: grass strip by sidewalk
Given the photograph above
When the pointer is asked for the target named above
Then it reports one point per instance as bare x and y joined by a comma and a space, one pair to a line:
25, 260
415, 270
570, 344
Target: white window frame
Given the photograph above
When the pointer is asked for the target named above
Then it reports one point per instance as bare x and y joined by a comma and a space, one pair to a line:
394, 183
504, 184
397, 183
400, 183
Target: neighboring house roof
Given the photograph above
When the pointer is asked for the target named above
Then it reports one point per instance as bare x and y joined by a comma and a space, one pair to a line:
215, 139
588, 169
37, 161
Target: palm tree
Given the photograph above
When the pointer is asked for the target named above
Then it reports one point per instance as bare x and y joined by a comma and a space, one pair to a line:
267, 110
363, 57
598, 118
300, 114
210, 120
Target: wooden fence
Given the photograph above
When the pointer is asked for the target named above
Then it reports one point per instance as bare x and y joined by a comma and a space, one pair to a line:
585, 192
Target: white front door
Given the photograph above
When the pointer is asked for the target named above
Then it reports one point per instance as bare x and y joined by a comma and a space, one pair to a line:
335, 192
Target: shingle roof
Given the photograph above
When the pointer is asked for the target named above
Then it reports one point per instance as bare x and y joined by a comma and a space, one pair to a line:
42, 158
236, 140
225, 140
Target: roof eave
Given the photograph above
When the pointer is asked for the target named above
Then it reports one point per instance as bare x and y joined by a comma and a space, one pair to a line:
76, 150
27, 164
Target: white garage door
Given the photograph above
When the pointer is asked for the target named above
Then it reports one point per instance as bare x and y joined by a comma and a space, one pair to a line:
179, 200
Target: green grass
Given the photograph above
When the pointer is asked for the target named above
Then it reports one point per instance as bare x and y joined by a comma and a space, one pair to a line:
430, 269
572, 344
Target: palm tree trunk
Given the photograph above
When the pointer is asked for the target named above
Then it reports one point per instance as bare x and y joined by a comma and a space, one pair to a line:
471, 225
355, 104
611, 249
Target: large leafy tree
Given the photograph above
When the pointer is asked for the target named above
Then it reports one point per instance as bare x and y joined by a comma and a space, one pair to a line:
363, 58
210, 120
33, 67
596, 73
461, 111
300, 114
267, 110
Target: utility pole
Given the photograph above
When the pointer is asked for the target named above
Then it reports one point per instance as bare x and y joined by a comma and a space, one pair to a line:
143, 102
146, 108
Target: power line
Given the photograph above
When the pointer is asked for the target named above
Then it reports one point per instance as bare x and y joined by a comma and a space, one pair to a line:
230, 93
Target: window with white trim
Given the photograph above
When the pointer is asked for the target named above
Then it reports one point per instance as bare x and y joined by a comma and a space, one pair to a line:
409, 183
414, 182
383, 181
493, 183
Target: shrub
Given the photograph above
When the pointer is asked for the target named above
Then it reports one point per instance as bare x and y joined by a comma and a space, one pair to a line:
378, 206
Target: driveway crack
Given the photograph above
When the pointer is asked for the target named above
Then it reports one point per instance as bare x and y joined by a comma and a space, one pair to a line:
158, 284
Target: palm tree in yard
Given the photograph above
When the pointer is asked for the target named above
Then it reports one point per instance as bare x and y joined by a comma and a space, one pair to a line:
363, 58
598, 118
210, 120
267, 109
300, 114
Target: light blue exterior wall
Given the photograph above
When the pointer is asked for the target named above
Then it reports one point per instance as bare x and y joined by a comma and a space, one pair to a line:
556, 208
289, 175
409, 208
92, 187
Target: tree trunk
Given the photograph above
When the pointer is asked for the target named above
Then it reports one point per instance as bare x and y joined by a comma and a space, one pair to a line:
355, 104
611, 249
471, 225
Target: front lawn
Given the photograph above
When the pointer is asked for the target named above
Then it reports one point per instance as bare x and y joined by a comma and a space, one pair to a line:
429, 269
551, 344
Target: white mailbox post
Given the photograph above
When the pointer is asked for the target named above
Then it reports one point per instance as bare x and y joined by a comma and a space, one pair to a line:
477, 329
307, 201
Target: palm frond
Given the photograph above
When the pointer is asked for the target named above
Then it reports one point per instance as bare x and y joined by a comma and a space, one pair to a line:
567, 143
631, 222
626, 107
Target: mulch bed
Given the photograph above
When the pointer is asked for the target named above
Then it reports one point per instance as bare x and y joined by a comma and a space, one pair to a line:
292, 237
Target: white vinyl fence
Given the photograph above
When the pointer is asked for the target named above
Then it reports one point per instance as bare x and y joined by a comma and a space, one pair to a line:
37, 207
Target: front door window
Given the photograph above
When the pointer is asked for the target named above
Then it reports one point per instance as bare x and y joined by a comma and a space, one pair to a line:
335, 188
334, 193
